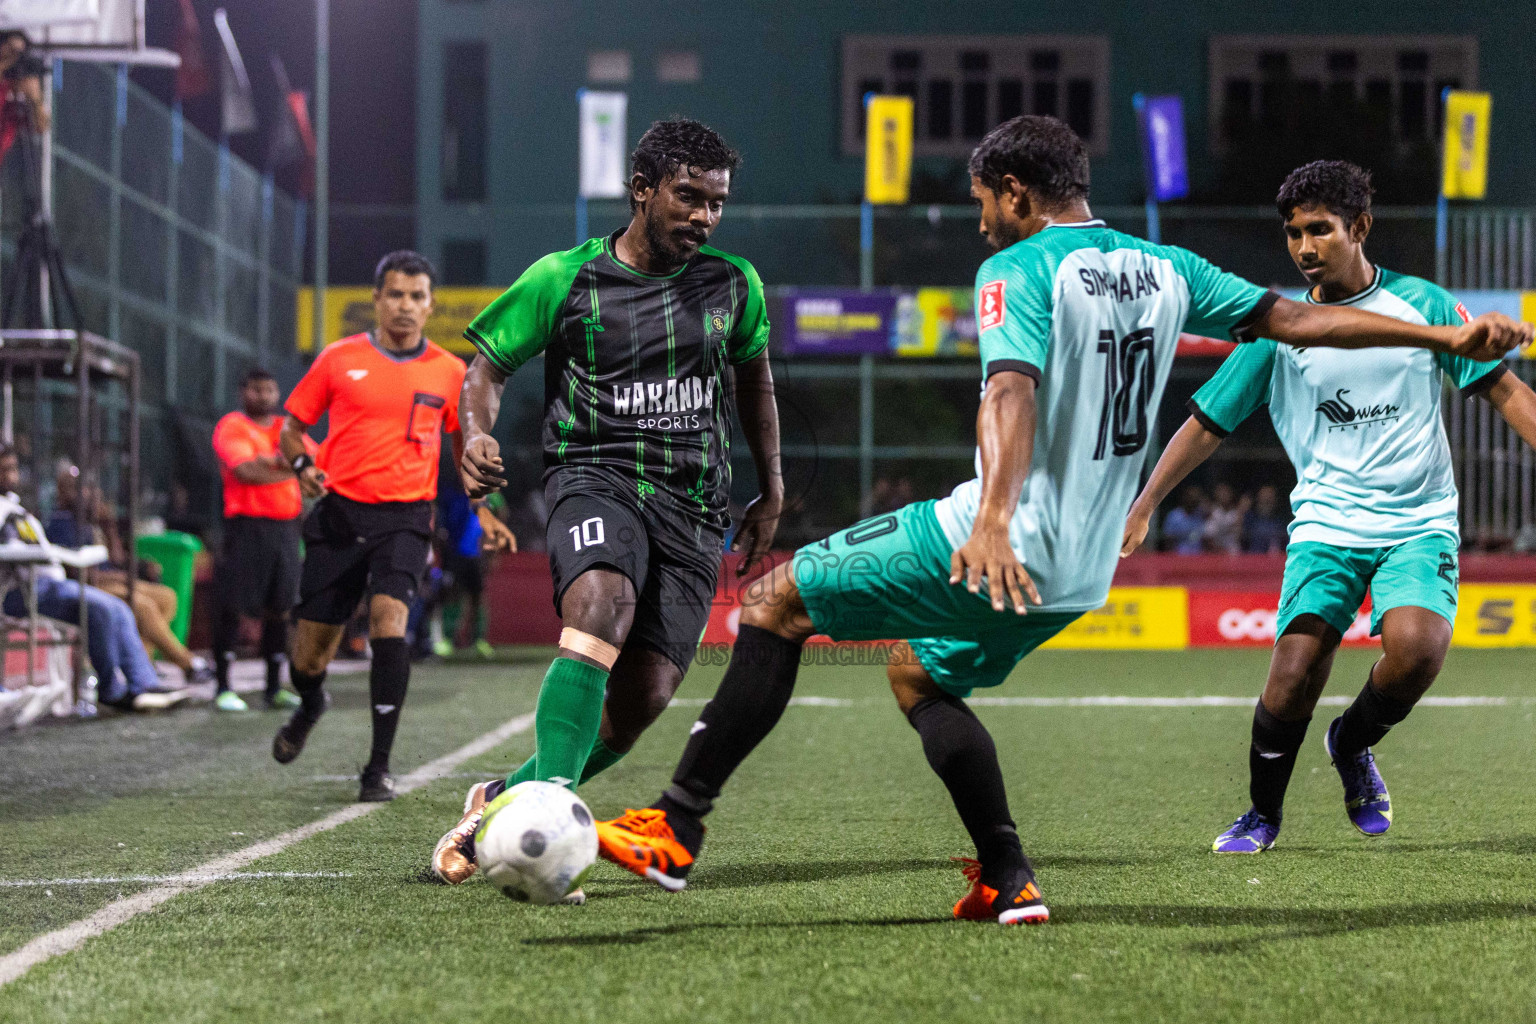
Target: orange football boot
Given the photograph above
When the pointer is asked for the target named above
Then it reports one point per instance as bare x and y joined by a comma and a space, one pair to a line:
1020, 904
642, 842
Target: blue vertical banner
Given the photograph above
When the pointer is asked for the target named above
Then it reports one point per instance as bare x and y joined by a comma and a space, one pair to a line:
1160, 126
1161, 120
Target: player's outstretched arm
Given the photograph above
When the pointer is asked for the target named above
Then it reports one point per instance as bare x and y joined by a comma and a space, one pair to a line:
1516, 402
480, 468
1005, 437
1192, 445
1302, 324
760, 422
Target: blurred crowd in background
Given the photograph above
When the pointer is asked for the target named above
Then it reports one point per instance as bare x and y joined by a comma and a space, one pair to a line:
1224, 521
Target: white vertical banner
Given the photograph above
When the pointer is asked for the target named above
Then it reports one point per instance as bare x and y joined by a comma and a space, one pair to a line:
603, 160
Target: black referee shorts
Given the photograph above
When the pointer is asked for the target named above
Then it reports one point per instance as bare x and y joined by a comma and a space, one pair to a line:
353, 548
673, 560
258, 569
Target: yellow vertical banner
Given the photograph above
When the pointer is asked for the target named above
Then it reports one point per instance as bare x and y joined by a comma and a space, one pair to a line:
1466, 144
887, 148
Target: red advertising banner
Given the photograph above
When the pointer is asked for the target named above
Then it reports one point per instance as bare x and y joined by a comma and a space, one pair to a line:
1235, 618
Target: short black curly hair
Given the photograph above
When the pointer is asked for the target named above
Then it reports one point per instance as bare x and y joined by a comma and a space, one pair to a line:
406, 262
1042, 152
1336, 185
675, 142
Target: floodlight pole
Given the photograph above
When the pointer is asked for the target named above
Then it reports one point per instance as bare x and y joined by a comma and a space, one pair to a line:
1443, 210
322, 165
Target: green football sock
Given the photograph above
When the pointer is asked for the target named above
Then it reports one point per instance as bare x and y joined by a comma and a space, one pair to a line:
565, 724
526, 772
600, 760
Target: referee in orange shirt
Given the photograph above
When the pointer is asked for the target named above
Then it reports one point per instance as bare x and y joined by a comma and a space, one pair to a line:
390, 394
258, 570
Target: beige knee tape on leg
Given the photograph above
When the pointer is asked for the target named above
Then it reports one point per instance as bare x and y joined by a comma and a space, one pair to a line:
589, 646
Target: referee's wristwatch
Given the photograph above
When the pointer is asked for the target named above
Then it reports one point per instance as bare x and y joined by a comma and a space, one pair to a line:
301, 463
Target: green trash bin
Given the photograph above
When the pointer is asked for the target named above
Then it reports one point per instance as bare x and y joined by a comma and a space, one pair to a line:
176, 554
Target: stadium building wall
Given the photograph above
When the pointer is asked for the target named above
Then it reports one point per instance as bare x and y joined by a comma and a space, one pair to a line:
769, 75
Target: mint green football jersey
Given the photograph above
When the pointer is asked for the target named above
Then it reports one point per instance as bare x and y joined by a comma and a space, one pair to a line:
1363, 427
1094, 316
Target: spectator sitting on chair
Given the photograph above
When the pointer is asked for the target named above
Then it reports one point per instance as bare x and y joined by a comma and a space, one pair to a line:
115, 648
154, 604
1182, 528
1265, 531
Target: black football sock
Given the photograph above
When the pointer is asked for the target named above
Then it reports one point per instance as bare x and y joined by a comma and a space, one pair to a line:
388, 677
1366, 721
310, 689
226, 628
274, 649
1271, 759
756, 689
961, 753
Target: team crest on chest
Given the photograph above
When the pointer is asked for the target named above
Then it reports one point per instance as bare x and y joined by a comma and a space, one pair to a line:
716, 322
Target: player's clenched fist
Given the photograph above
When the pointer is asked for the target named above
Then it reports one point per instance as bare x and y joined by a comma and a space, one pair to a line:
1490, 336
481, 470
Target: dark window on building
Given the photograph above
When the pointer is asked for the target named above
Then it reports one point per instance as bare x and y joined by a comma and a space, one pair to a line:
1010, 99
464, 122
1080, 106
941, 102
905, 68
962, 87
1439, 107
1343, 62
1045, 61
464, 261
973, 109
1381, 92
866, 86
1046, 100
1412, 111
1237, 103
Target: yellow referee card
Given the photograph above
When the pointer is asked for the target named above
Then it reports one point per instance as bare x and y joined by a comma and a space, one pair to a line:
1466, 144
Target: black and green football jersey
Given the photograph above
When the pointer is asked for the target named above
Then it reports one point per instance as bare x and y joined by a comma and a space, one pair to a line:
634, 367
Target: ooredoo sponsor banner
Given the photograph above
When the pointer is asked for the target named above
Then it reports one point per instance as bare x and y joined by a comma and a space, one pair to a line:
1231, 618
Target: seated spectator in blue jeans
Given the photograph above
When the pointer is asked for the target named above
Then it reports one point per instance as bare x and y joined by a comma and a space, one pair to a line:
1265, 530
127, 678
1184, 527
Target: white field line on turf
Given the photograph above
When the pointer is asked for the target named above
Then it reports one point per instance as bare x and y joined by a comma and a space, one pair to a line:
233, 876
72, 936
1127, 702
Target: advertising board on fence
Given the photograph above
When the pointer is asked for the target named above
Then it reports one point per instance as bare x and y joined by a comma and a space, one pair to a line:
349, 311
1496, 615
1133, 619
838, 322
936, 322
1233, 618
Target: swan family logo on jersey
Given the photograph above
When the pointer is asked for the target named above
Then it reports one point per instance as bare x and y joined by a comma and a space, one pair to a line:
1341, 414
990, 312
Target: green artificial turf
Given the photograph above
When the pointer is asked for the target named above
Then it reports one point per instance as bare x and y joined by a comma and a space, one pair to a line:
824, 889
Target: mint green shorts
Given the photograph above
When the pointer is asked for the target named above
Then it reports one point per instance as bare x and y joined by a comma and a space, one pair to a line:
1331, 581
887, 578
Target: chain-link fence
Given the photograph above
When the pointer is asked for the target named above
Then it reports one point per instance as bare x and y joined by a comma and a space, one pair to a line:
862, 436
174, 248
